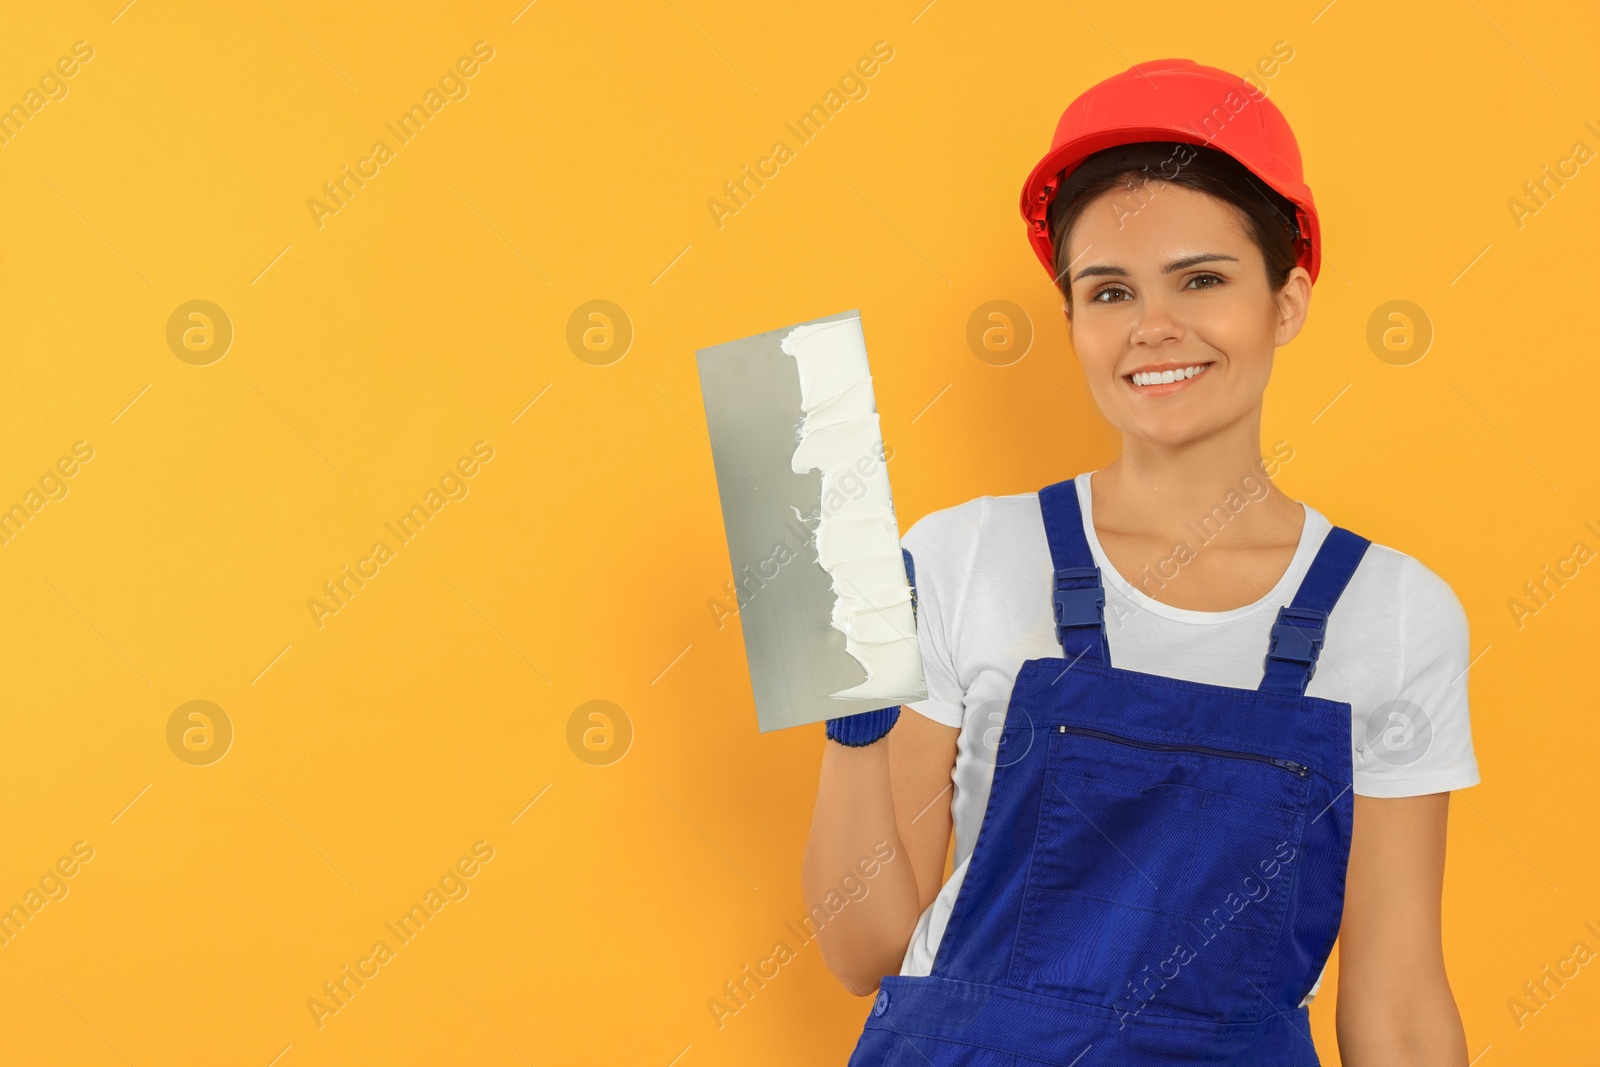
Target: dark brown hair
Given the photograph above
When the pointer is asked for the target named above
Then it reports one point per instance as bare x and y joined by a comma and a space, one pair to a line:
1269, 216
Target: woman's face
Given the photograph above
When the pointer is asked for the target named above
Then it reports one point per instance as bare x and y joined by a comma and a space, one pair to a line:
1167, 278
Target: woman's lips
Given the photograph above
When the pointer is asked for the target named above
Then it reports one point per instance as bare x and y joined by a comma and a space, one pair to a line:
1167, 388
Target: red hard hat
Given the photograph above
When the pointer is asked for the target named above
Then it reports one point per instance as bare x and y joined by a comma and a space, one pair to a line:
1175, 100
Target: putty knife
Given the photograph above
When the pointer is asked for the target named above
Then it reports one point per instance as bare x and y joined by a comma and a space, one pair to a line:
788, 603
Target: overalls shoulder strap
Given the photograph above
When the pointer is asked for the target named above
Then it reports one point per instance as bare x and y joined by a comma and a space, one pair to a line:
1298, 631
1080, 598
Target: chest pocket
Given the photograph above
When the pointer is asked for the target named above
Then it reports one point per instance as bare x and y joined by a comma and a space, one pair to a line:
1160, 875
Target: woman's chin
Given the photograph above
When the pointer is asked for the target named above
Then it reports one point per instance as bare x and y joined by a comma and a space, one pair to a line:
1170, 430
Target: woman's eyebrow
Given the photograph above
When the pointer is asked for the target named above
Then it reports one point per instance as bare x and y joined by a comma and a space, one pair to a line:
1176, 265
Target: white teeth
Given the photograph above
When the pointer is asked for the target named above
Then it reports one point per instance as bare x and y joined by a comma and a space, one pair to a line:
1163, 377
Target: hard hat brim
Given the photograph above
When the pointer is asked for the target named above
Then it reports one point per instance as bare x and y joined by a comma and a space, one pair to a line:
1044, 181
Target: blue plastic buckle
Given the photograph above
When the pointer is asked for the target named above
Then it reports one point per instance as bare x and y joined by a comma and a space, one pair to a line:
1297, 635
1078, 605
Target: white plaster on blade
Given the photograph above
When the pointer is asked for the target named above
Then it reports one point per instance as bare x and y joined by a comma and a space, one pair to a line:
858, 540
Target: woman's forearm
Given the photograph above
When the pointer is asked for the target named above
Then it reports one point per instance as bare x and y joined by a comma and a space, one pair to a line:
1422, 1029
864, 924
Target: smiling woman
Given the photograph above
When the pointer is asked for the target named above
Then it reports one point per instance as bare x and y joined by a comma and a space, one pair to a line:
1221, 294
1155, 743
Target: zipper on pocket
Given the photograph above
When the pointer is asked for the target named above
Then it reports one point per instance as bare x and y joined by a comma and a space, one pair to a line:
1289, 765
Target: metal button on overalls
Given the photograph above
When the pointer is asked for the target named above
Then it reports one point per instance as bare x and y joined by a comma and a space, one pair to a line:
1159, 875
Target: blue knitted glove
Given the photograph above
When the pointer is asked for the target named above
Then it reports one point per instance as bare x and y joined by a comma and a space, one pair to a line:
867, 727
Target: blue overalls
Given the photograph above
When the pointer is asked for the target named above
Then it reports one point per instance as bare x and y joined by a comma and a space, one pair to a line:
1159, 876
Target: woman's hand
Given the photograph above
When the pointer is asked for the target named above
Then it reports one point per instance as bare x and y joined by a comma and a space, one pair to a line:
1395, 1006
887, 799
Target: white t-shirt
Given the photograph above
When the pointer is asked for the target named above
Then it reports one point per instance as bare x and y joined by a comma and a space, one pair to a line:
1396, 650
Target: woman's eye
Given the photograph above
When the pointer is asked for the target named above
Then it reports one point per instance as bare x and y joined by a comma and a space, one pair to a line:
1120, 293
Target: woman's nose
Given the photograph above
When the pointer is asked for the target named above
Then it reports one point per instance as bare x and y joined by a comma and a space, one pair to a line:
1155, 323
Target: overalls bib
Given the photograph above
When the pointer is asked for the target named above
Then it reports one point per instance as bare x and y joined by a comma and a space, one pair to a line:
1159, 875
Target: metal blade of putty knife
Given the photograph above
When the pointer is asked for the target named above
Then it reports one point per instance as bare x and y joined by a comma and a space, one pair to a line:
786, 600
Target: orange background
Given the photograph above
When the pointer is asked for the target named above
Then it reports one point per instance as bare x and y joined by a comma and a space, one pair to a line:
372, 753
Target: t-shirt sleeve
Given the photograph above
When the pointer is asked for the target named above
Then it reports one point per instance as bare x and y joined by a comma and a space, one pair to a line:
1420, 740
938, 554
